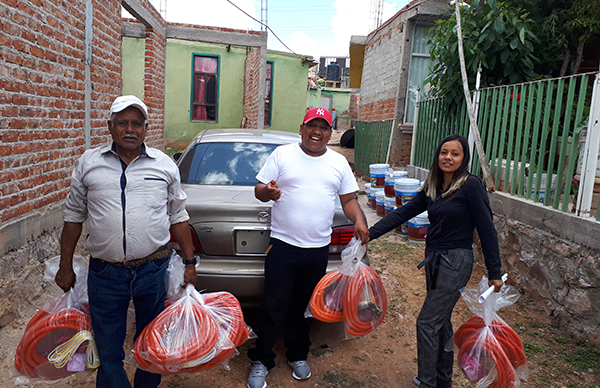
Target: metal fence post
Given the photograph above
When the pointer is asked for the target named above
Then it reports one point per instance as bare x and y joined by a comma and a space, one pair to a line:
590, 159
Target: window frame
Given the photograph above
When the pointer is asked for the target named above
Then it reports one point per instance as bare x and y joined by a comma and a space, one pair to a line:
409, 100
193, 103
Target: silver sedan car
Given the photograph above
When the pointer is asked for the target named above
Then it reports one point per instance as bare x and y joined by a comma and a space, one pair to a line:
229, 226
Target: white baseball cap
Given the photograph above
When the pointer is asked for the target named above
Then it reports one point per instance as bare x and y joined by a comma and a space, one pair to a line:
123, 102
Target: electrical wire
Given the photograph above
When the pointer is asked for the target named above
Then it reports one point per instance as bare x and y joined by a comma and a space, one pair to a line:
269, 28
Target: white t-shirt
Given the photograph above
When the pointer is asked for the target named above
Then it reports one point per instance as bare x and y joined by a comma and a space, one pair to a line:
309, 185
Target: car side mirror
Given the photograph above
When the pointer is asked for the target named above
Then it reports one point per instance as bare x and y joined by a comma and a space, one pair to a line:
176, 156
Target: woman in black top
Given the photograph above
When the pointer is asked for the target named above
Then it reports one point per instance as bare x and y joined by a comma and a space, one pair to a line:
457, 203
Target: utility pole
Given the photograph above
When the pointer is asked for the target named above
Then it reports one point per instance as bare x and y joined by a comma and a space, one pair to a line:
485, 168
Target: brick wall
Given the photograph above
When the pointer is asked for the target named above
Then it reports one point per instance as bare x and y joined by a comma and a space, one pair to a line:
251, 83
154, 88
51, 106
380, 110
42, 75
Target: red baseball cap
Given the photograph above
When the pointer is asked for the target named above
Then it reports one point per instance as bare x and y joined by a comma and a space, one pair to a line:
318, 113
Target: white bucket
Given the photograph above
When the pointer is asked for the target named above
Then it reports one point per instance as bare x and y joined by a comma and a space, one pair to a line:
380, 203
389, 204
374, 193
377, 172
368, 193
543, 182
405, 189
390, 181
417, 228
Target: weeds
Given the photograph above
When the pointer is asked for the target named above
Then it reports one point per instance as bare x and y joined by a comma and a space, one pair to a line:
533, 349
587, 359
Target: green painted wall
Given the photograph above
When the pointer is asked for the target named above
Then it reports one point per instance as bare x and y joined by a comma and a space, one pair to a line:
340, 102
179, 129
132, 70
290, 77
289, 91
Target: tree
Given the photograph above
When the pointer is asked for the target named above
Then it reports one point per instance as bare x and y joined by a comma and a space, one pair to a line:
563, 27
496, 37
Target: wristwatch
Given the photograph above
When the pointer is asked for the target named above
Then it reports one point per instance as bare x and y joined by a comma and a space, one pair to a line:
191, 261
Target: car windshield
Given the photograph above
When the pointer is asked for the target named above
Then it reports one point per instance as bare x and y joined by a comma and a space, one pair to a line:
224, 163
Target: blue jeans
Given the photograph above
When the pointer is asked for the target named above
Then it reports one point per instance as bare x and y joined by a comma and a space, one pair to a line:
291, 275
110, 290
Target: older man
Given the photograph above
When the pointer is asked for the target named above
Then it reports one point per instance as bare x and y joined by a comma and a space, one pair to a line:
130, 195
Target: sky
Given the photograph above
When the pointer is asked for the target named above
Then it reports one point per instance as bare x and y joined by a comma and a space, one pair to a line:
309, 27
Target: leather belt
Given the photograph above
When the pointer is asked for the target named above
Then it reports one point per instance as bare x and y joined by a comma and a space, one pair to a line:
160, 253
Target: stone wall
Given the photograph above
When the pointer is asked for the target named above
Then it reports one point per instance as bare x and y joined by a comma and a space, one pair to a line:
554, 258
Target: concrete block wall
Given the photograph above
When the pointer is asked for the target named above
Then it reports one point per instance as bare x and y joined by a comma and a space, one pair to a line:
381, 71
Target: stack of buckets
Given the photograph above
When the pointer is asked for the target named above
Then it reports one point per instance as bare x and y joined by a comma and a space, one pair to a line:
387, 191
405, 189
377, 173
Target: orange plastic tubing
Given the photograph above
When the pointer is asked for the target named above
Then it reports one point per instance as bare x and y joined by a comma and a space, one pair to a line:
366, 276
227, 314
355, 326
318, 307
504, 347
27, 358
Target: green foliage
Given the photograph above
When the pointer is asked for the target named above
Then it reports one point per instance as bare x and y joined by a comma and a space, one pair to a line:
563, 28
585, 358
533, 349
496, 37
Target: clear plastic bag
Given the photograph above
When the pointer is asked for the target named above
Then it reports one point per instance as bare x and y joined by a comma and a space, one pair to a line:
195, 332
353, 293
58, 340
490, 353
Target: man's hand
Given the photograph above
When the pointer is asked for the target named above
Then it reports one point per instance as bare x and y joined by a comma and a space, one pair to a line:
361, 231
267, 192
352, 211
189, 276
65, 278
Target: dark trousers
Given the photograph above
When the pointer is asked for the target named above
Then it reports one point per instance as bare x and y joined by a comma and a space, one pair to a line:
110, 289
434, 328
291, 274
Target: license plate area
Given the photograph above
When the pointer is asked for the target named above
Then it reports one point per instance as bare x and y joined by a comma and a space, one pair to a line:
252, 241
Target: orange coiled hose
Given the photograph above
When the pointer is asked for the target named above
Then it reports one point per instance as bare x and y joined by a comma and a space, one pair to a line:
44, 333
328, 310
503, 346
365, 305
221, 330
364, 301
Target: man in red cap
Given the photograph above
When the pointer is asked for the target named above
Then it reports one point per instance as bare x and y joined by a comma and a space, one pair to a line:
304, 180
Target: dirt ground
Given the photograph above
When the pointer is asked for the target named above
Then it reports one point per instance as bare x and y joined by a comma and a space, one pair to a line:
387, 356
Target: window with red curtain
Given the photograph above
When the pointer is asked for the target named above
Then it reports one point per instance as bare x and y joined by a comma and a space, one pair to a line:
205, 86
268, 93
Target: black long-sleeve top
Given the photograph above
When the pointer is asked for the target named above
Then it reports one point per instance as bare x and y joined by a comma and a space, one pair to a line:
452, 222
